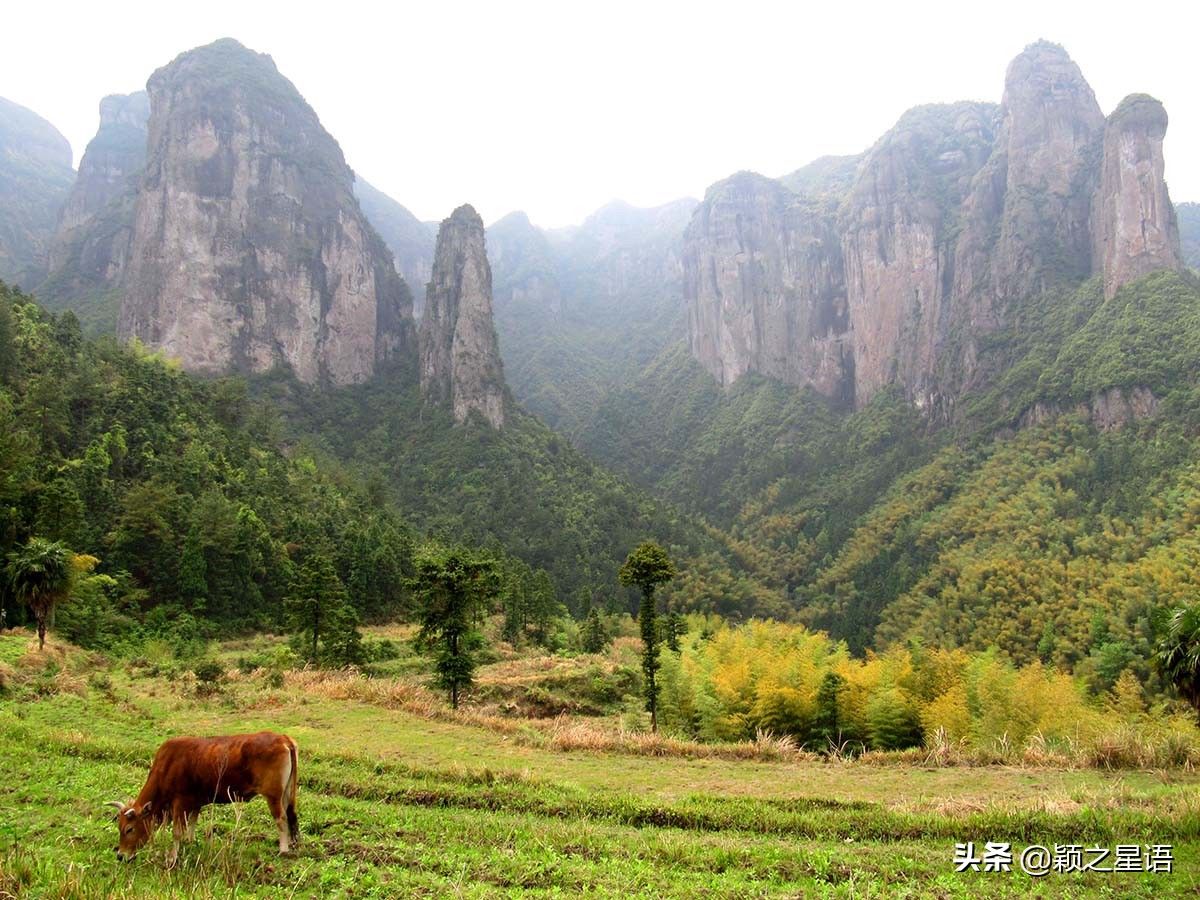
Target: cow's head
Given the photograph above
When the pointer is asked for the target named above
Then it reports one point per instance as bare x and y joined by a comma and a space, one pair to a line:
135, 825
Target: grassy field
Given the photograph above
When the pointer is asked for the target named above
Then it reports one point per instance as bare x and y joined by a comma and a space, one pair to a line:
398, 797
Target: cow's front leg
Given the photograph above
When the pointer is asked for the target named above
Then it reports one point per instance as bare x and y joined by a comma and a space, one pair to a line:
277, 811
180, 829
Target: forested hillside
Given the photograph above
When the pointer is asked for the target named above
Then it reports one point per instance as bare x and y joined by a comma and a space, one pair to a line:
1049, 521
202, 502
176, 486
522, 488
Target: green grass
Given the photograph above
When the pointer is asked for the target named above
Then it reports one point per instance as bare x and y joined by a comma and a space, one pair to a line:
395, 804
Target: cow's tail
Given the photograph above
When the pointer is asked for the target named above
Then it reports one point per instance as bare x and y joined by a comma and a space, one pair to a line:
290, 794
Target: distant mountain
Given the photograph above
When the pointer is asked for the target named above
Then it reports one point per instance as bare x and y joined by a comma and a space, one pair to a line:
1189, 232
249, 249
855, 274
95, 226
942, 392
35, 177
409, 239
581, 310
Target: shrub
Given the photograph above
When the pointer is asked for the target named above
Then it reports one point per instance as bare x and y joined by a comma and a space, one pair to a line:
208, 671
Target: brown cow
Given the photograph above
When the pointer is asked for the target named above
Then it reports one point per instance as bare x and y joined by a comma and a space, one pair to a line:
188, 773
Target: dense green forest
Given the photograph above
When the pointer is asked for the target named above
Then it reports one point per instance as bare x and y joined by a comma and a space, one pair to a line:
216, 504
522, 489
191, 512
178, 488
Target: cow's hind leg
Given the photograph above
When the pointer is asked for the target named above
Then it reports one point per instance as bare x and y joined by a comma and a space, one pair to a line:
293, 823
282, 821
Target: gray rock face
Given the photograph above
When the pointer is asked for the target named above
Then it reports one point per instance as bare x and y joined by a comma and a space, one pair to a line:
896, 226
1109, 410
249, 249
891, 268
766, 273
460, 359
1134, 227
91, 247
35, 177
409, 239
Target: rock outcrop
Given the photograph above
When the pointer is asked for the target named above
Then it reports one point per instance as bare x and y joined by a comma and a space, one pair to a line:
1134, 228
91, 247
767, 279
896, 224
855, 273
409, 239
460, 358
249, 249
35, 177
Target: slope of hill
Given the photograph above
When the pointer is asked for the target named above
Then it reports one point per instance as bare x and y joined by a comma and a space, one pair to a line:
176, 484
1050, 522
409, 239
35, 177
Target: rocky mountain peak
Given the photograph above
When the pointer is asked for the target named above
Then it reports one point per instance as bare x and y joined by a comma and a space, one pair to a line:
125, 110
1048, 111
892, 267
460, 356
249, 249
1134, 225
91, 246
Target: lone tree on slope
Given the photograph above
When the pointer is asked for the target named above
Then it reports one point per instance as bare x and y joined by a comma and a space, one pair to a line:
647, 567
452, 587
1177, 655
40, 575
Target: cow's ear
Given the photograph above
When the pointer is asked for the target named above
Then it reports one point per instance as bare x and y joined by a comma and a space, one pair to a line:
146, 807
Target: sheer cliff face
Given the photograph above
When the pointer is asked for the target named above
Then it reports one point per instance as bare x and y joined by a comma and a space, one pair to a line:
890, 268
35, 177
460, 359
895, 224
768, 283
94, 229
1134, 229
249, 249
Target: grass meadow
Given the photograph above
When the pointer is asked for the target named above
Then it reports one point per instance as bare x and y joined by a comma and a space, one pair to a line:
401, 797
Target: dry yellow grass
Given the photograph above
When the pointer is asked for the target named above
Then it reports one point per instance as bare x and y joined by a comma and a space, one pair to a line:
566, 733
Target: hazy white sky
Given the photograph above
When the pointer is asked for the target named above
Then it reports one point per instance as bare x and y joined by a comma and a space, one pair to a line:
557, 108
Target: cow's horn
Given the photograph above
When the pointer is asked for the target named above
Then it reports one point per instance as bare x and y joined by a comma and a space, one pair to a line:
117, 803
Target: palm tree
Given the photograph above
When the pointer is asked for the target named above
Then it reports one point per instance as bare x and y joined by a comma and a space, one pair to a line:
1178, 653
40, 574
